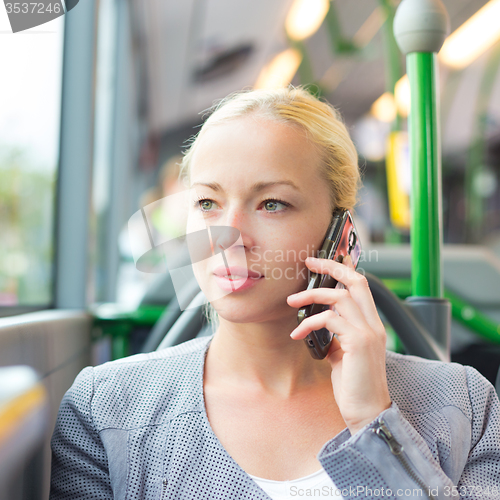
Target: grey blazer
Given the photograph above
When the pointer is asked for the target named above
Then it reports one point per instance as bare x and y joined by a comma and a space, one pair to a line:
137, 428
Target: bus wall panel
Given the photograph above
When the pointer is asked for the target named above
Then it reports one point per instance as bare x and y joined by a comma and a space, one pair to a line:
57, 344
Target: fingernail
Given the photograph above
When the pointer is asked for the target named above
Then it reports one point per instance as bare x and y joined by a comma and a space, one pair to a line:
312, 259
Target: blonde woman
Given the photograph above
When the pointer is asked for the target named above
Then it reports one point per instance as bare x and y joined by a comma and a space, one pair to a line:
247, 412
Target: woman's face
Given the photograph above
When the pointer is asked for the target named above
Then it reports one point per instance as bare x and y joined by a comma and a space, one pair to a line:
263, 178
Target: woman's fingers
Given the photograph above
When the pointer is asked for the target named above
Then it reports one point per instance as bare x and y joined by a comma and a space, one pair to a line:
341, 299
347, 261
355, 282
335, 352
327, 319
327, 296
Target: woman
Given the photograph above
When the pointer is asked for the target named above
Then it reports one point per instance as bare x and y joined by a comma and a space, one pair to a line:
247, 412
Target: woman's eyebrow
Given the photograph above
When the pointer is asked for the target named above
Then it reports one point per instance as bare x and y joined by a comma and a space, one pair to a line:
258, 186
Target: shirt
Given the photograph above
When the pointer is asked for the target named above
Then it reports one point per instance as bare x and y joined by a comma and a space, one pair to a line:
137, 428
316, 484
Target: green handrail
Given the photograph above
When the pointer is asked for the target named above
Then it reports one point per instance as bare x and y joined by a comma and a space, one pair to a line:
462, 311
426, 212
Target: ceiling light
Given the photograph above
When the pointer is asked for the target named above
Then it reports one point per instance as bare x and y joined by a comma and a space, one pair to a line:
384, 108
473, 38
280, 71
402, 95
305, 18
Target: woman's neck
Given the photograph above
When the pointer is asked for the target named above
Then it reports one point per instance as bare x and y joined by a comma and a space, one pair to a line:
261, 357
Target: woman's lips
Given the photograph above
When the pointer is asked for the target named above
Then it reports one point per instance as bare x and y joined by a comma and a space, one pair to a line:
237, 271
235, 278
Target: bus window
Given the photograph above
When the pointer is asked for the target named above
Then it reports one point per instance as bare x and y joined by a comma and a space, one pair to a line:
30, 95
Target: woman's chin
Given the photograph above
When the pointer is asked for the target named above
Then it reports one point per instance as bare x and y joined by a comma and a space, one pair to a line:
258, 311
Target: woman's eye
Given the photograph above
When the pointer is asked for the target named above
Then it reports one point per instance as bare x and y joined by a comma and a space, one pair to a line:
206, 204
272, 205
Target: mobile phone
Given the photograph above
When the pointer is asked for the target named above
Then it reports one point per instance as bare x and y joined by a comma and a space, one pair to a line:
341, 240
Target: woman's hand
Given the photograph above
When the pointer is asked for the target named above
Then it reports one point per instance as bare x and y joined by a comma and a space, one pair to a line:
357, 352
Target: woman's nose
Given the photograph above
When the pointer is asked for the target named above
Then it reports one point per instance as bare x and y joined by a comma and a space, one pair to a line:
233, 217
223, 237
228, 230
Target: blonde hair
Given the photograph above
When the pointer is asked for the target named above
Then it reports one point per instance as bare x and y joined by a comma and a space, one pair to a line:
297, 107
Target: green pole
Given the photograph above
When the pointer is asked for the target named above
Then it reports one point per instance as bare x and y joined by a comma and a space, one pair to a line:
426, 210
420, 28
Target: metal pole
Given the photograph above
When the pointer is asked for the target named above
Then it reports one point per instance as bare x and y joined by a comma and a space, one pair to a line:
420, 28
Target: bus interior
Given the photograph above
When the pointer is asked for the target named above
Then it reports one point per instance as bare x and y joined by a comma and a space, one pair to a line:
97, 106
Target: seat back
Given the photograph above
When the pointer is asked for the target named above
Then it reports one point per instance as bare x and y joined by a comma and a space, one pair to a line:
188, 325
